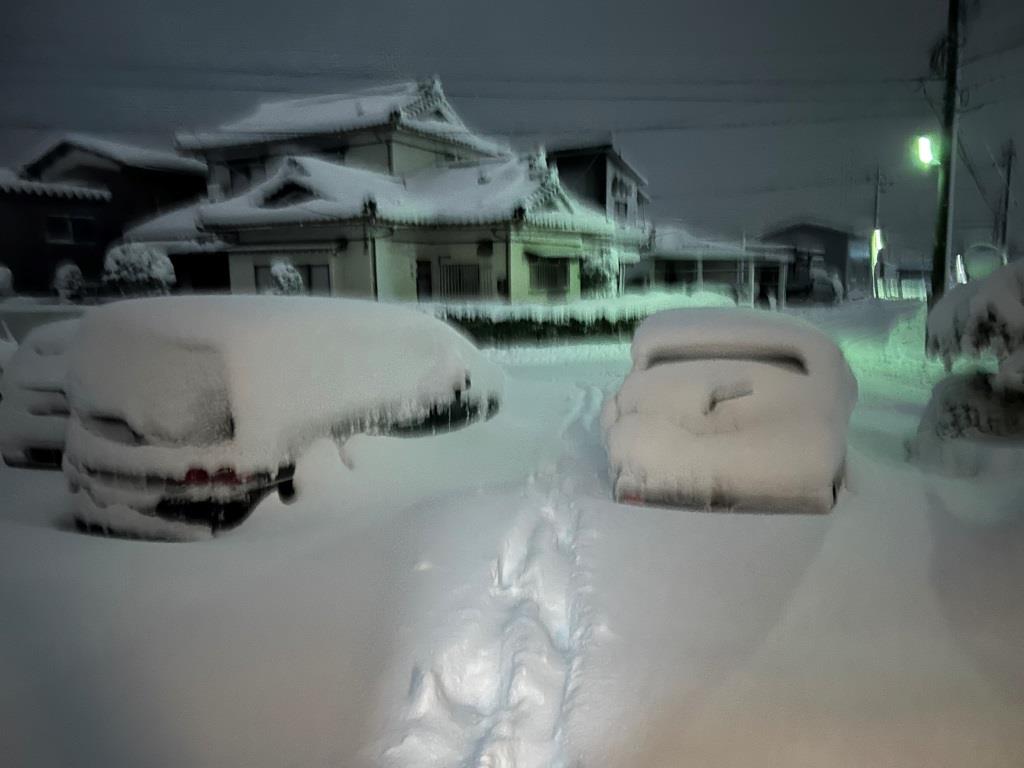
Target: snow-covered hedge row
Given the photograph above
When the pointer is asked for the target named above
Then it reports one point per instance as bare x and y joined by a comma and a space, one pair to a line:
138, 268
584, 317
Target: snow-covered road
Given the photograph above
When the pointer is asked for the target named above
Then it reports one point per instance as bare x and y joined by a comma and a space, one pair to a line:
478, 600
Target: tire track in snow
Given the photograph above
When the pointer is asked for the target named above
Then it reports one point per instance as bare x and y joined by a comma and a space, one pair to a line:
500, 691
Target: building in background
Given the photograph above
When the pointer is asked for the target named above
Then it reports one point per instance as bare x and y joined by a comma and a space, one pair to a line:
385, 193
76, 197
823, 252
678, 259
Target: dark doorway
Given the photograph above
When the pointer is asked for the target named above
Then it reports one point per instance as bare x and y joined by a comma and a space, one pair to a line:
424, 280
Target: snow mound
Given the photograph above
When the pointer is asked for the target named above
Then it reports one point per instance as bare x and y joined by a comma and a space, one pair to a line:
971, 428
731, 408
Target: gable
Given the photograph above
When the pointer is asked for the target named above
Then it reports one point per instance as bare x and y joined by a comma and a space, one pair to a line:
289, 193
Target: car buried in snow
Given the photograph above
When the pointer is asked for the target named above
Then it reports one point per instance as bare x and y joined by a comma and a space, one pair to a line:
730, 408
33, 406
187, 411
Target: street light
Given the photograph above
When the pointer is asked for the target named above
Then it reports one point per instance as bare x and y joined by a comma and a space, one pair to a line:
926, 152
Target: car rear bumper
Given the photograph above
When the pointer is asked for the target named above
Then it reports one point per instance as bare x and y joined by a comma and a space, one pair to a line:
147, 506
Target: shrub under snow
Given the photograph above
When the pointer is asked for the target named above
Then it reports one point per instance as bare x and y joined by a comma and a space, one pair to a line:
137, 268
974, 423
985, 315
68, 281
286, 278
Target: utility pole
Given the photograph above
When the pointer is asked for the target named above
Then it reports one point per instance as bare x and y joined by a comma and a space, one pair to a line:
947, 154
1004, 235
876, 236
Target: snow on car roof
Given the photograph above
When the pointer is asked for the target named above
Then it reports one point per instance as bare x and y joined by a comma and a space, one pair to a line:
39, 359
470, 193
733, 332
294, 367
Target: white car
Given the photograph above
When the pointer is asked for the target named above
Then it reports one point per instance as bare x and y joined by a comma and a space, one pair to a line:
33, 408
730, 408
186, 411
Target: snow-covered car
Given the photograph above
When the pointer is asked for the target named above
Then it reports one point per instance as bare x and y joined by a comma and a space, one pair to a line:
730, 408
33, 408
186, 411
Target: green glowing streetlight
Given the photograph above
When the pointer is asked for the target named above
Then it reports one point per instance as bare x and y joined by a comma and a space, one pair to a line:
925, 151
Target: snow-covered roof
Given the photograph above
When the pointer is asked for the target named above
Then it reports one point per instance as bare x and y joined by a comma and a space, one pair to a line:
176, 224
418, 107
11, 183
676, 242
124, 154
309, 190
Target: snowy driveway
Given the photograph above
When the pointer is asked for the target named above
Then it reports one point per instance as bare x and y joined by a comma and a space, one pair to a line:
476, 600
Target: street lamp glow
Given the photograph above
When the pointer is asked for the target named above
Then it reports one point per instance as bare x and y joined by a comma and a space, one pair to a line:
925, 152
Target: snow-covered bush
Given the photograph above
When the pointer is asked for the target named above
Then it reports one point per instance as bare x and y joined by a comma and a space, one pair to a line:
138, 268
6, 281
982, 316
599, 275
286, 280
68, 281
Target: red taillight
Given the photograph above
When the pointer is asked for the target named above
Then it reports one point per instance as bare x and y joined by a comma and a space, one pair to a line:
227, 476
197, 476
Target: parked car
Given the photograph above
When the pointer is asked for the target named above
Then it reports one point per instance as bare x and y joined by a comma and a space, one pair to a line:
730, 408
186, 411
33, 407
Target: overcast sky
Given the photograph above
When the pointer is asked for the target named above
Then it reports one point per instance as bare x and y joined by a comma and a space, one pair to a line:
741, 114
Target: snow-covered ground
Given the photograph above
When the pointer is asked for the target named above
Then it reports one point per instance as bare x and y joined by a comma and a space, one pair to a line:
477, 599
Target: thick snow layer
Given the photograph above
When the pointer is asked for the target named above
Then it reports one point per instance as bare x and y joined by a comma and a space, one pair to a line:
332, 631
589, 311
34, 409
283, 370
731, 408
473, 193
135, 156
420, 107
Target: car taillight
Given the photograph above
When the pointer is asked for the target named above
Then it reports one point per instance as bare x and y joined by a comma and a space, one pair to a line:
197, 476
227, 476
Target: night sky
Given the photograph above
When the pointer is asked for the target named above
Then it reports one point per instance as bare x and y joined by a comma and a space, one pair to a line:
741, 114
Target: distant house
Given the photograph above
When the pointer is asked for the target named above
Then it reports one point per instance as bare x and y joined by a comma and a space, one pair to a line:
903, 274
382, 193
395, 129
75, 198
841, 253
679, 259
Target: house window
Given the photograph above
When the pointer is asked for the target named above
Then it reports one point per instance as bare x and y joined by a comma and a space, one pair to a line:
70, 229
460, 281
316, 279
621, 210
548, 275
